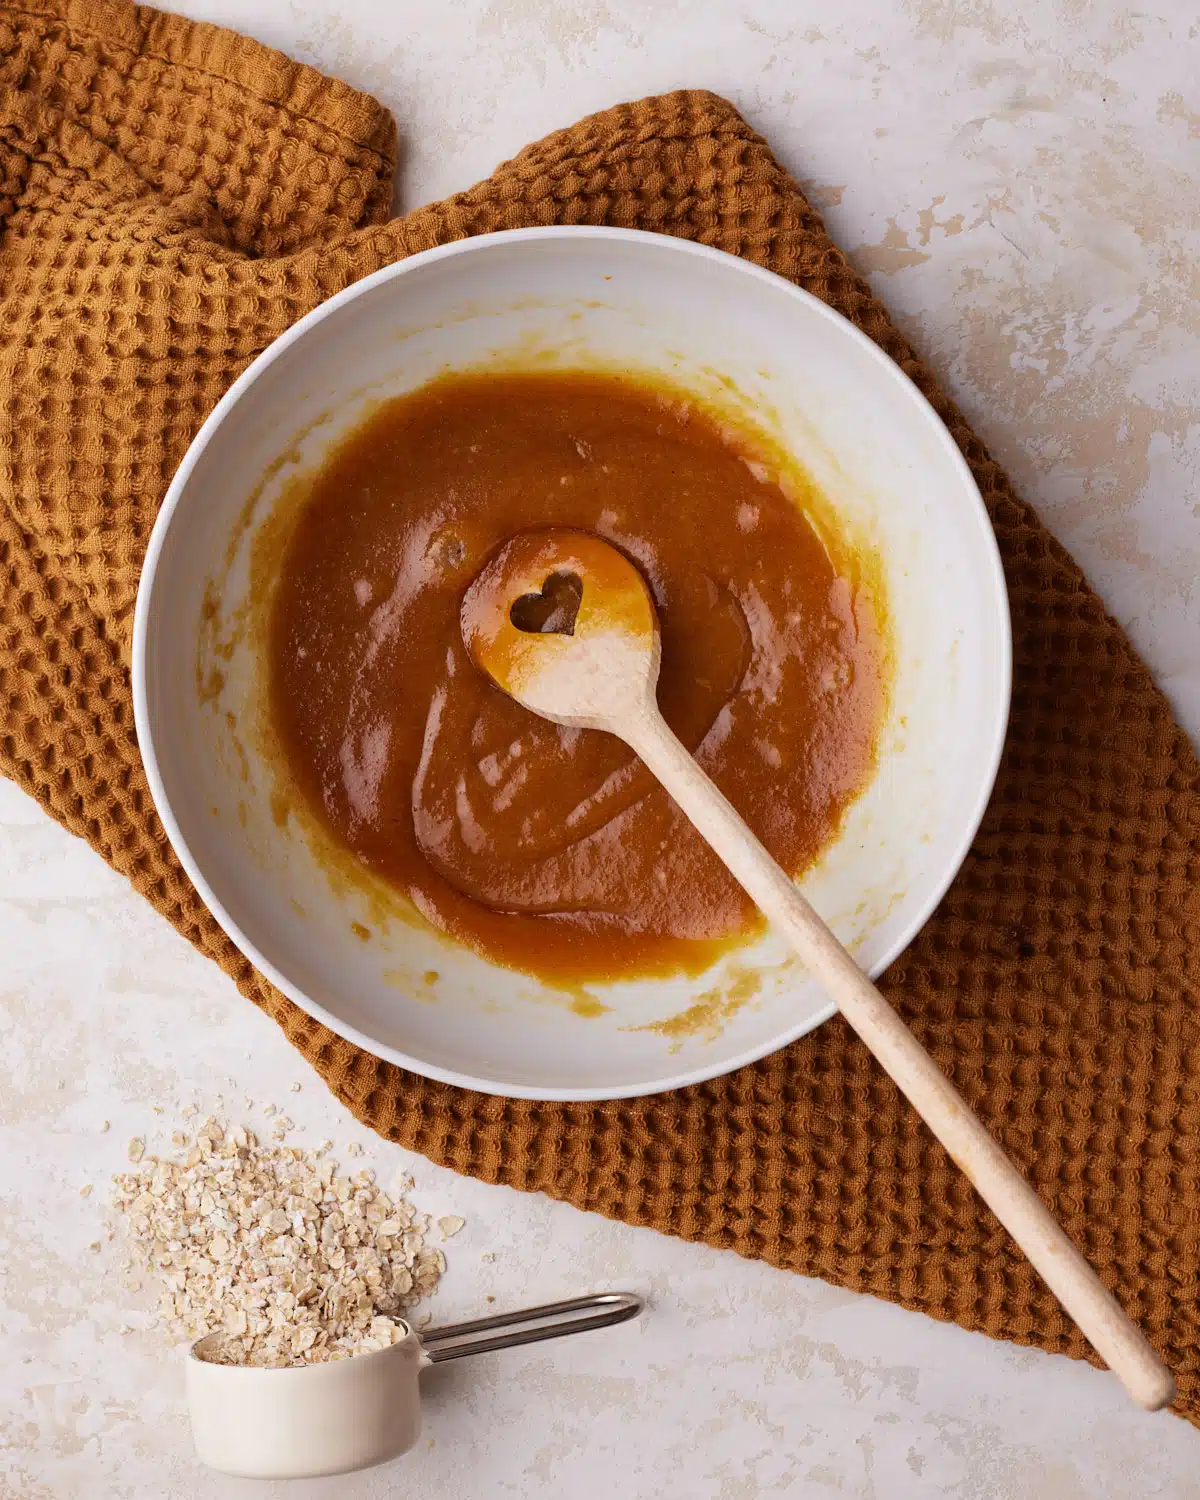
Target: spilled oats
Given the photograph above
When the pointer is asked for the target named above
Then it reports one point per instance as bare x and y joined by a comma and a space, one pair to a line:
268, 1245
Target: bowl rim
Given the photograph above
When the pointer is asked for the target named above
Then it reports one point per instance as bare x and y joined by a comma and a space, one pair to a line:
481, 244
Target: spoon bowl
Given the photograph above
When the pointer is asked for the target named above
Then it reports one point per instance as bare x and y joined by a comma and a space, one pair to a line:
583, 667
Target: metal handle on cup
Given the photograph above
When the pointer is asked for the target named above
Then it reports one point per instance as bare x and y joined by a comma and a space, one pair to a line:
554, 1321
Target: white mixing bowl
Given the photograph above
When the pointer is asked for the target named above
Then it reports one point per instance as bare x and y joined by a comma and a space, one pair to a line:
568, 297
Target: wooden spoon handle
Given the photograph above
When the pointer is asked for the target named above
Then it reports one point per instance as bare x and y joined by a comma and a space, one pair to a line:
1118, 1340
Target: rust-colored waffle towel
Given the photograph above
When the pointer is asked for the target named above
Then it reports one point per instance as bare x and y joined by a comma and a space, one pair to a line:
173, 196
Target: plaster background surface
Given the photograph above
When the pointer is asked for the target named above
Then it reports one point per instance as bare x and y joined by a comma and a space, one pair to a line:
1020, 183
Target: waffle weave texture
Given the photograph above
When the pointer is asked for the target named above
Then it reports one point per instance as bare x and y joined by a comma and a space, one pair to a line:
172, 197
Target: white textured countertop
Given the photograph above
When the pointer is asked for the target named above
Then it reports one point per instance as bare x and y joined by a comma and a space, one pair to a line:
1020, 182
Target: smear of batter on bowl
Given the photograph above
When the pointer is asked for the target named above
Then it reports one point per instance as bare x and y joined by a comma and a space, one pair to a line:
546, 849
706, 1017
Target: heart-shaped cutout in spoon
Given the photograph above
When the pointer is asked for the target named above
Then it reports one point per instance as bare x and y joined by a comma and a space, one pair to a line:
554, 610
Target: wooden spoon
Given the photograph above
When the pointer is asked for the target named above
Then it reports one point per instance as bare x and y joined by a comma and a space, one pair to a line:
589, 657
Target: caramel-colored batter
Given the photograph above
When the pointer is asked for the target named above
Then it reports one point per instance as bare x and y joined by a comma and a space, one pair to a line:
548, 849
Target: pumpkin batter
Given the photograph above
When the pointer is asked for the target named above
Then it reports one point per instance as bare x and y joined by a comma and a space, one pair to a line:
548, 849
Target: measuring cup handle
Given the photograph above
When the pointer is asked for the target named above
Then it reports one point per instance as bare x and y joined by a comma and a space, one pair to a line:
555, 1320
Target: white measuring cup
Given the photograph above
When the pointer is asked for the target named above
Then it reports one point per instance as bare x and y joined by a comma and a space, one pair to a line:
301, 1422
